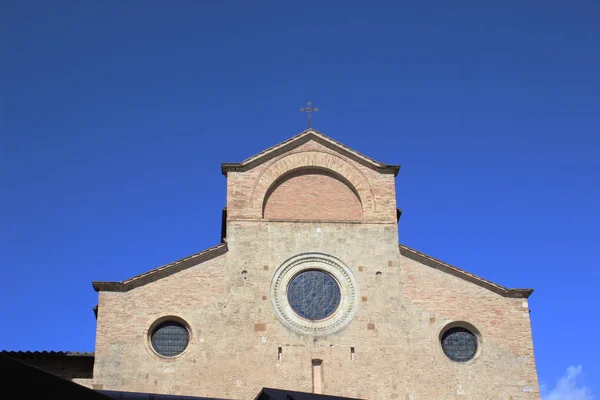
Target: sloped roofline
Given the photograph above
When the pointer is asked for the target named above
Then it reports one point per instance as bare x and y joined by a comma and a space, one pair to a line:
46, 354
162, 271
452, 270
210, 253
301, 138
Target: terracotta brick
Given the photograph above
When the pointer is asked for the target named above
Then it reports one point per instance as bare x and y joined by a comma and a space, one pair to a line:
246, 191
311, 194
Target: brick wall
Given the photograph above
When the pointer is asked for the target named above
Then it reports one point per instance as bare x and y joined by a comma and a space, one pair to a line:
233, 351
246, 191
312, 194
390, 349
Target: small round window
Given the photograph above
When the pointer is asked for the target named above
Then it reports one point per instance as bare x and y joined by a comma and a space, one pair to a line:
459, 344
170, 338
313, 294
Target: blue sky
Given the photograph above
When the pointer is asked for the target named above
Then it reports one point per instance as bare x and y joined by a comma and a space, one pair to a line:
115, 117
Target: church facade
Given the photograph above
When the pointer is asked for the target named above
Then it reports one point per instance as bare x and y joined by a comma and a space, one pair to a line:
311, 291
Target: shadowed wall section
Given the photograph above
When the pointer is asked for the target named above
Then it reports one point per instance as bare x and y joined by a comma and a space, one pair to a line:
312, 194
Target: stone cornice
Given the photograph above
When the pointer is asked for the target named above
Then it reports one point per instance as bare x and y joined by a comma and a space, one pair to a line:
442, 266
162, 271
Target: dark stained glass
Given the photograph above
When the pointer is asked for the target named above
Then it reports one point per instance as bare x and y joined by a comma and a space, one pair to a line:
314, 294
459, 344
170, 339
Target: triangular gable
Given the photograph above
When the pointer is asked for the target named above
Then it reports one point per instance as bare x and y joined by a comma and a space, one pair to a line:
305, 136
452, 270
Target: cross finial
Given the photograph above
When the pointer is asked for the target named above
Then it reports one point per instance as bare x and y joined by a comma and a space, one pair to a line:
309, 109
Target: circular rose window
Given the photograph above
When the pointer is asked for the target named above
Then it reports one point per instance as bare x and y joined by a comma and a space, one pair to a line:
314, 294
169, 338
459, 344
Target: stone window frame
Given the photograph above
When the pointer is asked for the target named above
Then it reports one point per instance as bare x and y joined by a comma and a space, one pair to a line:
349, 294
157, 322
464, 325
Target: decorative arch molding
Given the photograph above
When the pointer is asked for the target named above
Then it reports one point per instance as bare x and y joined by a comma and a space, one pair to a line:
312, 159
340, 272
298, 195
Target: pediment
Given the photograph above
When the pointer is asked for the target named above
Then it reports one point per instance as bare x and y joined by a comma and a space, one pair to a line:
300, 139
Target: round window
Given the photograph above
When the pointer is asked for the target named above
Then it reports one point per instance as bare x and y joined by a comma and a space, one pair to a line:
170, 338
313, 294
459, 344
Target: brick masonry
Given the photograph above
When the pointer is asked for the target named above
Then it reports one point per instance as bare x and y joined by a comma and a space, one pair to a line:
236, 337
312, 194
246, 191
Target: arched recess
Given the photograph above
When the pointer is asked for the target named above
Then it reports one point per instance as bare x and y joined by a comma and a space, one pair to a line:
311, 193
313, 159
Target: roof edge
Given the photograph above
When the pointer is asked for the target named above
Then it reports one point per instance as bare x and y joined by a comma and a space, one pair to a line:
162, 271
460, 273
45, 353
307, 134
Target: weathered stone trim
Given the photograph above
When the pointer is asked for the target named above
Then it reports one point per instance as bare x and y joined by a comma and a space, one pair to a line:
312, 159
175, 318
471, 328
349, 291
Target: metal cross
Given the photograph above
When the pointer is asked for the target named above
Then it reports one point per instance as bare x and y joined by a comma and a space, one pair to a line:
309, 109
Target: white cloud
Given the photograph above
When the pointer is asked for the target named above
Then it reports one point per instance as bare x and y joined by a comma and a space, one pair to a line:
569, 387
